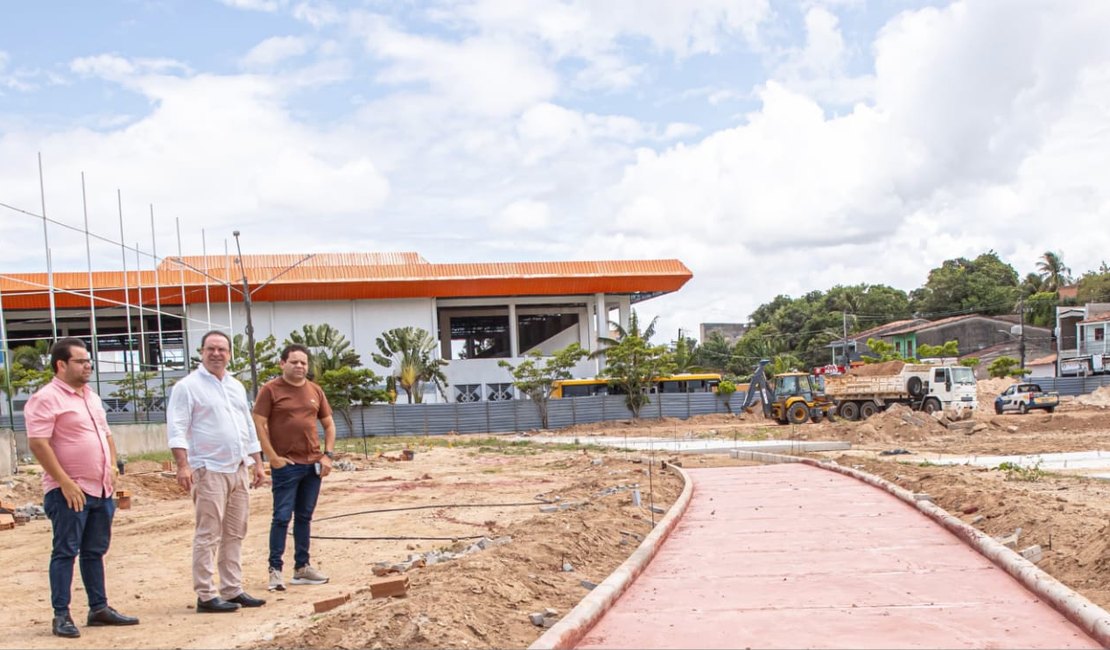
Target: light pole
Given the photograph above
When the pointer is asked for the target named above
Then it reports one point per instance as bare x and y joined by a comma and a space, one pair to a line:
250, 323
246, 291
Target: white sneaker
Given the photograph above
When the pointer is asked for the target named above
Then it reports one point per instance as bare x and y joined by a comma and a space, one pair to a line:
276, 581
307, 575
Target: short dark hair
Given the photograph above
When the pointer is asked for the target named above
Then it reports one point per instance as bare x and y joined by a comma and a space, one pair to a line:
295, 347
204, 339
63, 351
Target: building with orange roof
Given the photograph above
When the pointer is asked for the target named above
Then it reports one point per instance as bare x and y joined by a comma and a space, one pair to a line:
481, 313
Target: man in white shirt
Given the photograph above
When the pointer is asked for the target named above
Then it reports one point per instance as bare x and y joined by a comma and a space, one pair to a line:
214, 443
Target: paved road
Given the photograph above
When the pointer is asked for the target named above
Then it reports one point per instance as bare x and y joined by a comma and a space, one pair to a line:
792, 556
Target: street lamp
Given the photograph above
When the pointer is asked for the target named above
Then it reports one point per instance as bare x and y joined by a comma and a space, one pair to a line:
250, 323
246, 291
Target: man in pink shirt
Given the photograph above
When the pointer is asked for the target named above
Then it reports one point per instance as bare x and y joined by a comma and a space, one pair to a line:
68, 433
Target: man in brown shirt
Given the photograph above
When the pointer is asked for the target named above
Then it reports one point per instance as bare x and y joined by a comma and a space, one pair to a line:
285, 415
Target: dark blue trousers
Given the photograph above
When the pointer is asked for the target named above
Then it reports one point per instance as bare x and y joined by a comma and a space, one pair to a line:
84, 534
296, 488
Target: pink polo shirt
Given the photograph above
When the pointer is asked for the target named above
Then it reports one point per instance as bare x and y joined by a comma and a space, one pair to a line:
77, 427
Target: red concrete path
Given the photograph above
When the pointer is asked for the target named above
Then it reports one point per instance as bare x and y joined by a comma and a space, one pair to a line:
792, 556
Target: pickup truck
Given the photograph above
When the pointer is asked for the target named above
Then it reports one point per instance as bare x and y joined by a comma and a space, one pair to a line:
1023, 397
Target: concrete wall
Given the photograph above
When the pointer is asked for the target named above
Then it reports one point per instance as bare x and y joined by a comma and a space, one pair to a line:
7, 452
131, 439
134, 439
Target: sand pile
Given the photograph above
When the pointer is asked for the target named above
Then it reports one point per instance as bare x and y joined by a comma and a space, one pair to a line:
1100, 397
988, 389
878, 369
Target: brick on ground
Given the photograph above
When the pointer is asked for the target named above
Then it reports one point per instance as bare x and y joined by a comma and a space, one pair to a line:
387, 587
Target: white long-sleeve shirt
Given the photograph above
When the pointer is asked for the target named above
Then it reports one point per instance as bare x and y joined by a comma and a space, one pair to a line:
211, 419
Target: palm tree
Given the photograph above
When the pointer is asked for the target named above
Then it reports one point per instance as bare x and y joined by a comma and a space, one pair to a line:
1053, 270
1033, 283
35, 356
329, 347
633, 330
410, 353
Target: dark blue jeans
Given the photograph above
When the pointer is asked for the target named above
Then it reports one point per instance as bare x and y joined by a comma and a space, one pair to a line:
296, 488
86, 534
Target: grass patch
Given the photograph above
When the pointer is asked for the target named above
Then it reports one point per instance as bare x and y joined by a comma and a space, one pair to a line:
1015, 472
156, 456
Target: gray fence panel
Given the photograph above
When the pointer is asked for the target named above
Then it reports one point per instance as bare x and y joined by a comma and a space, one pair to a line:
1073, 385
503, 415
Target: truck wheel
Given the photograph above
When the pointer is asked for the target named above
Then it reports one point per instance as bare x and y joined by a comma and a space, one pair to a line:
867, 409
1050, 409
997, 408
849, 411
914, 386
797, 413
1023, 408
931, 406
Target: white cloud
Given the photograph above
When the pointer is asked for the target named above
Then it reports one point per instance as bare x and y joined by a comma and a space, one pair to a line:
818, 68
268, 6
526, 215
488, 76
987, 131
275, 50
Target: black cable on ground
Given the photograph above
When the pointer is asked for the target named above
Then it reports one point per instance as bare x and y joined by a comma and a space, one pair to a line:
399, 538
443, 505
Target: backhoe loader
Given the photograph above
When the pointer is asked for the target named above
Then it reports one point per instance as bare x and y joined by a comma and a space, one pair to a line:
787, 398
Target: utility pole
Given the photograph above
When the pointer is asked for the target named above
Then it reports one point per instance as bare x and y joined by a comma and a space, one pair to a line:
250, 323
1021, 343
844, 342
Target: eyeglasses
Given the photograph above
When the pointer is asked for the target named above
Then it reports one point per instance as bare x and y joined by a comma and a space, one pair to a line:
85, 362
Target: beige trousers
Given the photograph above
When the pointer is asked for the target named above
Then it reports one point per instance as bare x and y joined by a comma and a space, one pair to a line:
222, 505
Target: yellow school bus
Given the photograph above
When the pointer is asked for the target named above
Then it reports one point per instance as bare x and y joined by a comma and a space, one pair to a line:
684, 383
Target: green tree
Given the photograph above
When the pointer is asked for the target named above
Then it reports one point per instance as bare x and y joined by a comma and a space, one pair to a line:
35, 356
330, 349
1094, 286
714, 353
410, 355
984, 285
1041, 309
265, 360
1006, 367
536, 379
725, 390
785, 362
685, 352
1053, 271
346, 387
141, 389
632, 362
883, 350
23, 380
969, 362
949, 349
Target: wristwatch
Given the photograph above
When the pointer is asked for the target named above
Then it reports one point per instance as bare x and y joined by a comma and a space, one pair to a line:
329, 454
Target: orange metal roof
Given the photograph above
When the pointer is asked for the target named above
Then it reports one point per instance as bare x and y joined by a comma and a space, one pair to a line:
362, 276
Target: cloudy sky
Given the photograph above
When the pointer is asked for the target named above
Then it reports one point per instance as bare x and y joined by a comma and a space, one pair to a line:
773, 147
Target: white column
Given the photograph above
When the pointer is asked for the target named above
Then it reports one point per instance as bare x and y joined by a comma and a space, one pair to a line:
602, 326
624, 310
514, 334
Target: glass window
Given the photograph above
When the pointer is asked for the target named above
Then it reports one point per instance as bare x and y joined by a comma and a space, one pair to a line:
480, 337
468, 392
541, 331
500, 392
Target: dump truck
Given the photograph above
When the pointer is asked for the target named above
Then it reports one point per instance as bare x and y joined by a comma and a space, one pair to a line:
922, 387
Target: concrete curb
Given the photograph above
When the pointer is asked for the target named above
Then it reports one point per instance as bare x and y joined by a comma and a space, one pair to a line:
571, 628
1088, 616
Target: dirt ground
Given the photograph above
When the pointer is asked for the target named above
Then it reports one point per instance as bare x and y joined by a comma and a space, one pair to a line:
483, 599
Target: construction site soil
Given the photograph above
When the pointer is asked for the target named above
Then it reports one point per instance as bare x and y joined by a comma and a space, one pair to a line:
467, 487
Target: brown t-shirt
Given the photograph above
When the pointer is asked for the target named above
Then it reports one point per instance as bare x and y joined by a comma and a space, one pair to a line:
291, 412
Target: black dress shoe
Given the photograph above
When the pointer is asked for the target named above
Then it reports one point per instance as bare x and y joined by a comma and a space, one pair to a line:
217, 606
109, 616
63, 626
246, 600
